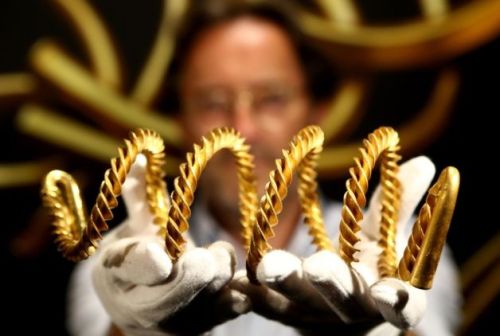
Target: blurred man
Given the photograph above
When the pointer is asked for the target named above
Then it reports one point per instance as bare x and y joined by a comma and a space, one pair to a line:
248, 67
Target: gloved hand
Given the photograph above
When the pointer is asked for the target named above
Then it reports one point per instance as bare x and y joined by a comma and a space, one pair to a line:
323, 294
144, 293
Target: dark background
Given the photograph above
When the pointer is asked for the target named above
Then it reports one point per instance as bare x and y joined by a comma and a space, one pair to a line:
34, 282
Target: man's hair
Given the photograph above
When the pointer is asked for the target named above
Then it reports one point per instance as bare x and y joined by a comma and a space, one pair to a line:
318, 71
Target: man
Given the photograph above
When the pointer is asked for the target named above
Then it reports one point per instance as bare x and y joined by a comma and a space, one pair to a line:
246, 73
243, 66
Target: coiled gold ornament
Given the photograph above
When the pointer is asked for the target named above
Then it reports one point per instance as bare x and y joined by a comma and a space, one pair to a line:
77, 234
302, 155
381, 144
422, 253
190, 172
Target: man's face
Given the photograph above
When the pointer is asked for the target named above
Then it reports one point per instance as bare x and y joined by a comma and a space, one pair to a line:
244, 74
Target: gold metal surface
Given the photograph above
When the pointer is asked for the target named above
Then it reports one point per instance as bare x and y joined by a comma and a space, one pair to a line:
77, 235
434, 9
190, 171
383, 144
25, 173
421, 256
335, 160
407, 263
438, 36
483, 295
441, 34
302, 154
150, 80
43, 123
341, 113
434, 117
111, 109
405, 45
17, 87
342, 12
49, 126
95, 38
79, 87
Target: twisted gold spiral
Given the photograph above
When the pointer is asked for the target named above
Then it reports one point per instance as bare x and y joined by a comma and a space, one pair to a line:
383, 143
422, 253
185, 186
77, 235
304, 151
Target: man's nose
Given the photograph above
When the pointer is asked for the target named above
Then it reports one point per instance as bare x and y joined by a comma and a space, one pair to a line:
244, 120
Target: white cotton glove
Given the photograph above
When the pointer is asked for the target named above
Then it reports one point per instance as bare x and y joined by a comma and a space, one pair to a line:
144, 293
323, 294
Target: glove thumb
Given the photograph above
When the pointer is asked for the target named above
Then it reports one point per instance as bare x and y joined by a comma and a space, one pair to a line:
140, 261
400, 303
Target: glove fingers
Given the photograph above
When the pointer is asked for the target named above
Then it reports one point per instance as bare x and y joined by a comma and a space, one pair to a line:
209, 309
229, 304
191, 274
415, 176
141, 262
384, 329
196, 268
136, 179
225, 261
400, 303
264, 301
282, 272
134, 189
343, 289
275, 306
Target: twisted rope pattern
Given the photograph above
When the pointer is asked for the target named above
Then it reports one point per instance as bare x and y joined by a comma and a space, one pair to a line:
383, 143
407, 262
185, 186
391, 198
304, 151
77, 236
421, 256
307, 190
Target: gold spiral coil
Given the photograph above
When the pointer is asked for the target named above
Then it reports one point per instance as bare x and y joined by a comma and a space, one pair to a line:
381, 144
422, 253
185, 186
303, 152
77, 235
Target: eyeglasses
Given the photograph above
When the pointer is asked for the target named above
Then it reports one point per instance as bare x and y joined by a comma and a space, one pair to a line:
264, 101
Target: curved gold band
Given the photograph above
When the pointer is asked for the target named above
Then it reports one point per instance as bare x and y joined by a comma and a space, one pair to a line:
77, 235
